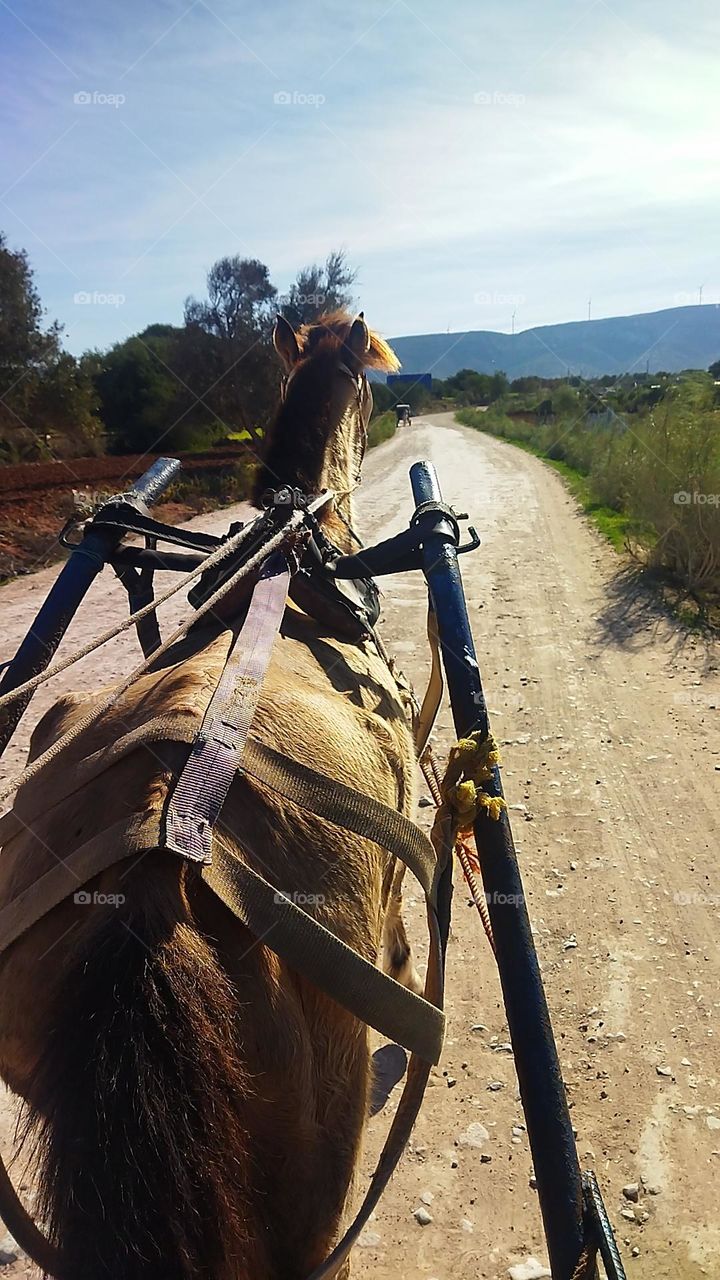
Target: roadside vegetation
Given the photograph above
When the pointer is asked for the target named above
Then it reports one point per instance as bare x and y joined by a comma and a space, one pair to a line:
75, 429
382, 427
213, 380
642, 455
640, 452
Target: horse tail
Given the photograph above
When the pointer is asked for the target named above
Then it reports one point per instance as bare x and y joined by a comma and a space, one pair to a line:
138, 1104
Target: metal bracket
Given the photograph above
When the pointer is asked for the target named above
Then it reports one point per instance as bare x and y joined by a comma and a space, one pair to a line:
404, 551
473, 544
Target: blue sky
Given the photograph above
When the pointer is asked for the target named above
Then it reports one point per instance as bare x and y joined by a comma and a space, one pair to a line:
475, 159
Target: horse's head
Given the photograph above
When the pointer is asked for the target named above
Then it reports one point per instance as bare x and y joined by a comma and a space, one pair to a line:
319, 435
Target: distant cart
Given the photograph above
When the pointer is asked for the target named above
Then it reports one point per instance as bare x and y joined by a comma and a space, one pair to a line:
403, 415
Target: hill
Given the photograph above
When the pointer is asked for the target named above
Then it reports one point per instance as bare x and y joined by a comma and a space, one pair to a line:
671, 340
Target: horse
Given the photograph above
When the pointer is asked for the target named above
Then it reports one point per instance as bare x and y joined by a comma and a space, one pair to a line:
192, 1106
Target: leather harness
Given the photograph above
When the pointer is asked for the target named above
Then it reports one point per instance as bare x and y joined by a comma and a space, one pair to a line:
220, 748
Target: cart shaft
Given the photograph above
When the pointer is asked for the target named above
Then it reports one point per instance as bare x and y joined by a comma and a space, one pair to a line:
73, 582
541, 1085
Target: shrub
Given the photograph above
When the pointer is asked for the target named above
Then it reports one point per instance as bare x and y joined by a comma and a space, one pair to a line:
381, 428
662, 473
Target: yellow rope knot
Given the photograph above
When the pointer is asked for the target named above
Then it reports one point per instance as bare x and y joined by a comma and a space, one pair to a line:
471, 763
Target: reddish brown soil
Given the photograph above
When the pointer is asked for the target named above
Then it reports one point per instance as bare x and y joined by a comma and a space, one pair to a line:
38, 497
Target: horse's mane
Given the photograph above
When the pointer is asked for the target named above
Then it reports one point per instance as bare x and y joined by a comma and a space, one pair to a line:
296, 440
330, 332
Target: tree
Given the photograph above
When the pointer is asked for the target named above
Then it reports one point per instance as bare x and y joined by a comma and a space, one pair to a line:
46, 396
24, 345
529, 383
498, 385
467, 386
320, 289
239, 296
565, 400
237, 321
65, 406
139, 396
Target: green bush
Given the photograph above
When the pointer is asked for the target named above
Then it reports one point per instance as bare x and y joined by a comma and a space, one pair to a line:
661, 474
383, 398
381, 428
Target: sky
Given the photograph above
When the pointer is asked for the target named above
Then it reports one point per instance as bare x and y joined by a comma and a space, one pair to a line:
477, 159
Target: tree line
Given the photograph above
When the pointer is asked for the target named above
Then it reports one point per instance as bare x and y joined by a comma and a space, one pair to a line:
215, 376
174, 387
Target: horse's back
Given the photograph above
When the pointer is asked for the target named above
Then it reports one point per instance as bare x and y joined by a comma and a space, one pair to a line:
297, 1063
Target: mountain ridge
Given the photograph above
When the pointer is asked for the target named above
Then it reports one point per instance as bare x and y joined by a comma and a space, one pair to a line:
672, 339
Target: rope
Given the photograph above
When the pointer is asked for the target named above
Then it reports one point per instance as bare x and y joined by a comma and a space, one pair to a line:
32, 770
62, 664
464, 856
472, 762
463, 848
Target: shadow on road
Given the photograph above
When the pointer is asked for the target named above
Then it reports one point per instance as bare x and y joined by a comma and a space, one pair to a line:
636, 615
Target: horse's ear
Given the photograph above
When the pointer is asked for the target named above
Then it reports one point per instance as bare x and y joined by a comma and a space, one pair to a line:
357, 342
285, 342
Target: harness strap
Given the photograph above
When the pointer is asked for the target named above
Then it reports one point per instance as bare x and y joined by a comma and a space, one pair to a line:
434, 692
311, 949
219, 750
201, 790
344, 807
119, 841
158, 731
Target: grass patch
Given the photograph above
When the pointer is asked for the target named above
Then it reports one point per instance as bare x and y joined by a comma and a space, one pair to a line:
651, 486
241, 435
381, 428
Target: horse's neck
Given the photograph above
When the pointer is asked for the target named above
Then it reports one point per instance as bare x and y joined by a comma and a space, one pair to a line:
340, 473
302, 456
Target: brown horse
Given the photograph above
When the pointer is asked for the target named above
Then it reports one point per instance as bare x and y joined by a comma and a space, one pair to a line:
195, 1107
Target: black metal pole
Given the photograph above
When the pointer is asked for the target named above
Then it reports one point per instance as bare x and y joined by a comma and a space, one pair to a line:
73, 582
541, 1085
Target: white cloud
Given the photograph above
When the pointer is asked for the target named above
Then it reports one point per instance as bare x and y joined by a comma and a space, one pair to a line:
589, 164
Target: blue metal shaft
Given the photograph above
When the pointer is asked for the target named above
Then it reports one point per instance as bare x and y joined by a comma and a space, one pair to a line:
541, 1085
73, 582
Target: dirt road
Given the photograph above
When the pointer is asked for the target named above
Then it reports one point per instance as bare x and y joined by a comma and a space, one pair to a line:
609, 719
